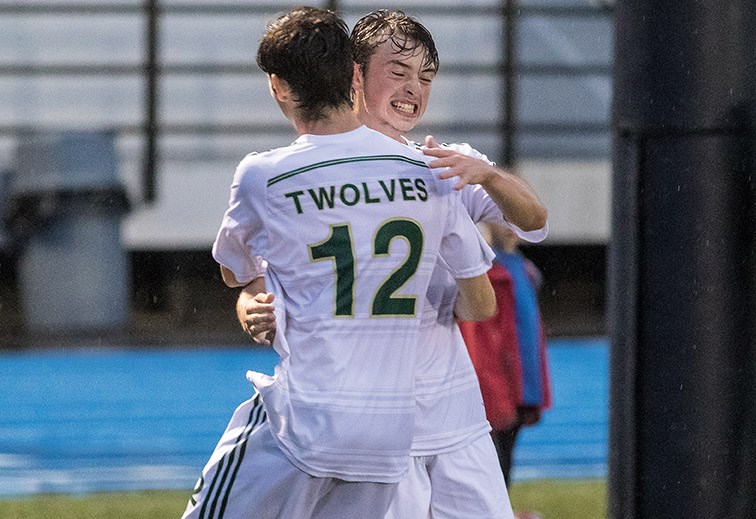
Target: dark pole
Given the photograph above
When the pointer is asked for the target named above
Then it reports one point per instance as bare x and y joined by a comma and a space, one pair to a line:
681, 265
509, 9
152, 77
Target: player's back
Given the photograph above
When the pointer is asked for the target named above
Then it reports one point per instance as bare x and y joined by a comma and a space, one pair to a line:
351, 226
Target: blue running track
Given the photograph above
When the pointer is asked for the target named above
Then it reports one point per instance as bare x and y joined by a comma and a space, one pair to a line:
78, 421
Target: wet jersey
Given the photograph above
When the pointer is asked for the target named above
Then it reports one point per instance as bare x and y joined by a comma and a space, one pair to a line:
450, 412
352, 226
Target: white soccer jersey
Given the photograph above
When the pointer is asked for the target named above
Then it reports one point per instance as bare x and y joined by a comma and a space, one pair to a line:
450, 410
352, 226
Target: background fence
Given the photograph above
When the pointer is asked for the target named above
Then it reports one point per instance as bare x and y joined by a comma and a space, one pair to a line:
527, 82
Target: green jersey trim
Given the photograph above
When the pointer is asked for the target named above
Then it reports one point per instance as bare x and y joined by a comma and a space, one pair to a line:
346, 160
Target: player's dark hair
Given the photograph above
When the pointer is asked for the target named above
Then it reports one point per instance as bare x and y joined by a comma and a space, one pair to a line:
406, 34
309, 48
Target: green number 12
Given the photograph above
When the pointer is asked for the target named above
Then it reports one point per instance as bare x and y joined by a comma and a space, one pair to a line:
339, 247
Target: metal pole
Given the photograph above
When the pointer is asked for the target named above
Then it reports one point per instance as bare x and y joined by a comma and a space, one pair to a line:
681, 261
509, 10
152, 78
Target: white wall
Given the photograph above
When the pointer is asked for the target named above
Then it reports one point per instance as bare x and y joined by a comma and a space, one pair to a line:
195, 171
577, 195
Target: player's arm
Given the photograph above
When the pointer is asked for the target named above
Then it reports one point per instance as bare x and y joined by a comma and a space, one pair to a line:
242, 229
476, 300
253, 308
255, 311
229, 278
515, 198
467, 257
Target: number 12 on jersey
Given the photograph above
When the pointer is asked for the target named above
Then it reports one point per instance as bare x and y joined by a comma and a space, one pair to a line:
339, 247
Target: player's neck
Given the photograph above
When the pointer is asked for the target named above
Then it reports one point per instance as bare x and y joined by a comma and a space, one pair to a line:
337, 121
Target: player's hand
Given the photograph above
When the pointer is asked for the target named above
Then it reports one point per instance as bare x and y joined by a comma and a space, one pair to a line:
431, 142
257, 317
468, 170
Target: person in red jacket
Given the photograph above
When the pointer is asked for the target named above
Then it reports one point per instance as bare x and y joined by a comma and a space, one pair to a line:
508, 351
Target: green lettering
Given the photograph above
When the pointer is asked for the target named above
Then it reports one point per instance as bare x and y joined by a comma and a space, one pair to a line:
295, 196
407, 188
355, 191
322, 197
369, 200
389, 194
422, 193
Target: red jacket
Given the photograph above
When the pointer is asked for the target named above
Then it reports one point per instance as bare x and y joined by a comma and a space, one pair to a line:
496, 356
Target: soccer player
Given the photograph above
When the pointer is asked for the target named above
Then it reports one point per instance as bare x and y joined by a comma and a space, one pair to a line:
351, 224
455, 471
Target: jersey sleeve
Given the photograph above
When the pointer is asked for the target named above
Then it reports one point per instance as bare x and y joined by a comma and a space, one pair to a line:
239, 244
464, 251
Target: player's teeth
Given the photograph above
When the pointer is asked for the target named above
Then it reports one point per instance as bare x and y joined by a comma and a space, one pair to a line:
405, 107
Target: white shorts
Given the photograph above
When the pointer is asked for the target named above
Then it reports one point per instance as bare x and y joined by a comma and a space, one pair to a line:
464, 483
249, 476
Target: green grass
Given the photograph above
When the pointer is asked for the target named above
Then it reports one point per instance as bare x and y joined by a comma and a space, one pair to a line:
126, 505
554, 499
561, 499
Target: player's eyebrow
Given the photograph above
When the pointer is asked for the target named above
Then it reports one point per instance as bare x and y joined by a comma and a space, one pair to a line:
399, 63
404, 65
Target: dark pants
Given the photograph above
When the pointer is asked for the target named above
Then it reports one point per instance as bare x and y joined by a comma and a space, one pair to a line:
504, 441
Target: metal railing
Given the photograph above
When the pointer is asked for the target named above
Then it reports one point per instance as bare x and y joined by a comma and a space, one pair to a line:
151, 69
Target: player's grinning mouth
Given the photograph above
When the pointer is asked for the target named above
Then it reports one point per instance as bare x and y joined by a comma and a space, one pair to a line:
404, 107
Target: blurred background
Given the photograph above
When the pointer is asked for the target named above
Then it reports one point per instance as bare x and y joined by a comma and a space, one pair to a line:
121, 122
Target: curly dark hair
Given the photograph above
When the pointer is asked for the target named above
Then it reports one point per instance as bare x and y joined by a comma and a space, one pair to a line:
406, 34
309, 48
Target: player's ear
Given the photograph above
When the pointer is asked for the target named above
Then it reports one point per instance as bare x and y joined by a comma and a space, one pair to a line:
357, 78
279, 88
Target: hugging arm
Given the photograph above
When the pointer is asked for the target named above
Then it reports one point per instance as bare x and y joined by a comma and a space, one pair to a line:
514, 197
254, 310
476, 300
